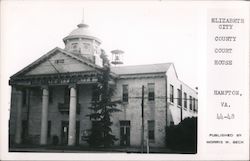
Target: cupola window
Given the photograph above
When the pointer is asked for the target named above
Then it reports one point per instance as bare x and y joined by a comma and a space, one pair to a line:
86, 46
74, 46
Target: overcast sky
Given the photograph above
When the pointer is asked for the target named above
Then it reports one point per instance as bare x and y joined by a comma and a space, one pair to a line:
148, 32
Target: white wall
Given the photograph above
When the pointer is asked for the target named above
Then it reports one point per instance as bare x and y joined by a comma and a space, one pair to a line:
174, 110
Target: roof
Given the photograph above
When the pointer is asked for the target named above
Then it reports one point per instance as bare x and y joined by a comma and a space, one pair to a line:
82, 31
141, 69
120, 70
82, 59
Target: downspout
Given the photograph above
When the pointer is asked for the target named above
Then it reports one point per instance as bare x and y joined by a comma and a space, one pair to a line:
166, 98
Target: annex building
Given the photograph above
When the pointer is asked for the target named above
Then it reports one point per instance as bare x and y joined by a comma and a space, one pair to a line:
50, 97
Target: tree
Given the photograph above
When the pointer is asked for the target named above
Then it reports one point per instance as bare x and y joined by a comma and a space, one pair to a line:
102, 107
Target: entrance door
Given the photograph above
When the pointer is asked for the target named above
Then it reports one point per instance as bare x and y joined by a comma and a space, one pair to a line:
65, 132
125, 133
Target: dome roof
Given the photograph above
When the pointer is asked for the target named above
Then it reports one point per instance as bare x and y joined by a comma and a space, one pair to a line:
81, 32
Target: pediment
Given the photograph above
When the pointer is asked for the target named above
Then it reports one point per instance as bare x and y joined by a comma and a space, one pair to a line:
57, 61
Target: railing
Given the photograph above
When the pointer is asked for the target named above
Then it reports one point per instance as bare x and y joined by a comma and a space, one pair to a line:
64, 108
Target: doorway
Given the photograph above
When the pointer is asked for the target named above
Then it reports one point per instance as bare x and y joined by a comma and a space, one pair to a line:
65, 132
125, 133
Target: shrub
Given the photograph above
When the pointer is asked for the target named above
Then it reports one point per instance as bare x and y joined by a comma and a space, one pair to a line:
183, 136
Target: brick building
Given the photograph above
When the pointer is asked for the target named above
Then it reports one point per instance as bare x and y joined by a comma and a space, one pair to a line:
51, 96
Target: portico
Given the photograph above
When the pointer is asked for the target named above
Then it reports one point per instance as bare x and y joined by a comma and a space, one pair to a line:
68, 109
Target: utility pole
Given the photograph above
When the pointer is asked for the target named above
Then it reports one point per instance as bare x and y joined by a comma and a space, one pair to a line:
142, 119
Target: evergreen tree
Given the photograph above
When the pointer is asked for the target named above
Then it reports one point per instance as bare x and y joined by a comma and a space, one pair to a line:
102, 108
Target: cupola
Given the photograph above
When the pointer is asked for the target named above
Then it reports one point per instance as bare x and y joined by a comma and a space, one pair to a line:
83, 42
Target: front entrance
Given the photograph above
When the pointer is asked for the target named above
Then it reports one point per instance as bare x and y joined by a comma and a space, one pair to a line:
65, 132
125, 133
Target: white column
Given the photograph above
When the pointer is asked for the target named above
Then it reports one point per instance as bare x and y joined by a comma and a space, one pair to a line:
44, 120
72, 117
19, 104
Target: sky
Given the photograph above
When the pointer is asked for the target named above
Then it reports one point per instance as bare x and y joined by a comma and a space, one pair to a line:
148, 32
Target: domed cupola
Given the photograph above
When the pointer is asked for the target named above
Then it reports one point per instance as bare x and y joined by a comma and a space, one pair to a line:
82, 42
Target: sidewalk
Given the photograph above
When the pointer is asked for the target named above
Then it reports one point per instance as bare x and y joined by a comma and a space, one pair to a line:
81, 149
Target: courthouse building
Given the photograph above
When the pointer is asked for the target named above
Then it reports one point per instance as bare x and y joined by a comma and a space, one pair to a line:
50, 98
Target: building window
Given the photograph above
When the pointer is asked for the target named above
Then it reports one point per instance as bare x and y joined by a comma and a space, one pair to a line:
190, 102
151, 130
49, 129
66, 95
50, 95
77, 95
185, 100
59, 61
87, 47
124, 133
125, 93
74, 45
194, 104
151, 91
179, 97
171, 93
124, 123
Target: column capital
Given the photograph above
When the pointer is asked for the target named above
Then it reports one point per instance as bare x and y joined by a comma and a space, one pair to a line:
72, 85
44, 87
